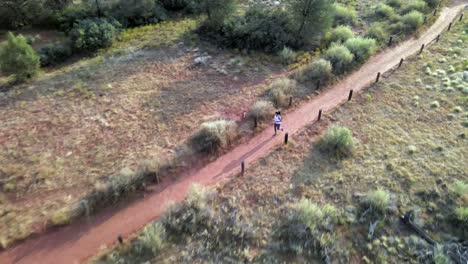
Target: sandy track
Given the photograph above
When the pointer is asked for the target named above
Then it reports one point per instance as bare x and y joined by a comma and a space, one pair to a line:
81, 240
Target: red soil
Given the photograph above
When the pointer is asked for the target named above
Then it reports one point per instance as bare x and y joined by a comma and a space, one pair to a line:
81, 240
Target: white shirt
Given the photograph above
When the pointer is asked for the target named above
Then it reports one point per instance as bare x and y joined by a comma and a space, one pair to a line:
277, 119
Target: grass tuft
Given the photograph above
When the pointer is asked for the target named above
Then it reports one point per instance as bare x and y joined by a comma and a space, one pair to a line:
337, 142
281, 90
262, 110
214, 135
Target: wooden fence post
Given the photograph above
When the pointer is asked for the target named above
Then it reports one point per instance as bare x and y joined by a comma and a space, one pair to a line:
461, 17
425, 19
286, 138
350, 95
318, 85
438, 38
378, 77
120, 239
255, 122
290, 101
422, 48
319, 115
242, 168
435, 12
450, 26
390, 41
401, 62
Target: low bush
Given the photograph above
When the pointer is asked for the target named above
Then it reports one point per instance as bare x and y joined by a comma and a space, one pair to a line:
93, 34
461, 214
216, 11
174, 4
362, 48
259, 29
377, 201
137, 13
414, 5
439, 256
319, 70
383, 11
262, 110
377, 31
340, 57
337, 142
344, 15
305, 226
413, 20
18, 58
281, 90
459, 188
54, 54
288, 55
394, 3
214, 135
341, 34
150, 241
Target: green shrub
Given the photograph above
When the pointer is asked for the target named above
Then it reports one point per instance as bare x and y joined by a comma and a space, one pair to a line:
319, 70
174, 4
308, 213
288, 55
439, 255
137, 13
215, 10
414, 5
460, 188
262, 110
341, 34
377, 31
344, 15
378, 201
93, 34
461, 214
259, 29
18, 58
394, 3
432, 3
362, 48
213, 136
413, 20
310, 19
340, 57
15, 14
383, 11
192, 215
337, 142
150, 241
54, 54
281, 90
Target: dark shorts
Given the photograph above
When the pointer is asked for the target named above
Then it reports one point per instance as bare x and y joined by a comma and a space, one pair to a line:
277, 126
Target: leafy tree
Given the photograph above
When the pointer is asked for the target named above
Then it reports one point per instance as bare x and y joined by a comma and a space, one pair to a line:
93, 34
215, 10
311, 18
18, 57
19, 13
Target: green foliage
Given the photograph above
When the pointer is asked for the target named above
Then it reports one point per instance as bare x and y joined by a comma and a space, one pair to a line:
137, 13
281, 90
150, 241
15, 14
288, 55
175, 4
362, 48
310, 18
413, 20
337, 142
377, 31
262, 110
439, 255
215, 10
319, 70
432, 3
383, 11
341, 34
259, 29
214, 135
17, 57
394, 3
378, 201
306, 227
340, 57
344, 15
93, 34
54, 54
461, 214
414, 5
460, 188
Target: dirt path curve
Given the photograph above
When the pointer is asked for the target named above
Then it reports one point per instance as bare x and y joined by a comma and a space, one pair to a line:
81, 240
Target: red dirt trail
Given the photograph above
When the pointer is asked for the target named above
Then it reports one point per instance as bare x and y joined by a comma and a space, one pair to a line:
81, 240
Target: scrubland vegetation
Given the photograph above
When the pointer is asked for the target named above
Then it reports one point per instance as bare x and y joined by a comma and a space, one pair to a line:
128, 84
339, 195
